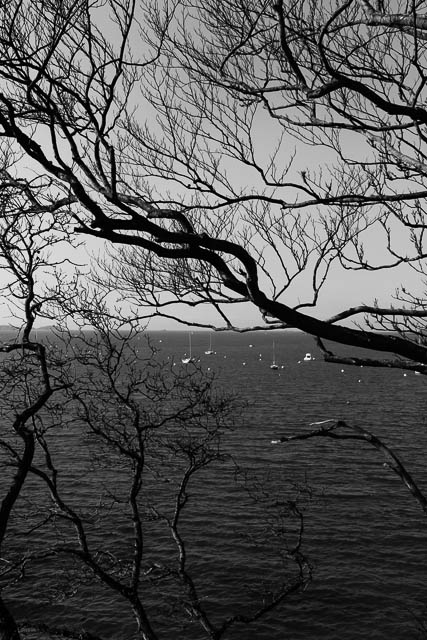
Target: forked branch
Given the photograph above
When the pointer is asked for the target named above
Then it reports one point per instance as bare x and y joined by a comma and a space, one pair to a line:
341, 430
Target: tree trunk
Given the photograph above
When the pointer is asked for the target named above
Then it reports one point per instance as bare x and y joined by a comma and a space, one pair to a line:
144, 626
8, 627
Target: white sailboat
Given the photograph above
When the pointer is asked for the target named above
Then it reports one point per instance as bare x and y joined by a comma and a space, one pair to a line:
189, 358
209, 352
273, 364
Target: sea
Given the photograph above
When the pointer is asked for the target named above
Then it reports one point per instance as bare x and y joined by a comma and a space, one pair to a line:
364, 535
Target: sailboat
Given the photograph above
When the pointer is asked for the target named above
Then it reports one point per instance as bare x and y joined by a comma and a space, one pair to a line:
273, 364
189, 358
209, 352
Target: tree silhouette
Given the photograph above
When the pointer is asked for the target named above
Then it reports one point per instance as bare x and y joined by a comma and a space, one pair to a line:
184, 131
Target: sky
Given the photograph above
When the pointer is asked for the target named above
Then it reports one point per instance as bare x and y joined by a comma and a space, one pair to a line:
342, 289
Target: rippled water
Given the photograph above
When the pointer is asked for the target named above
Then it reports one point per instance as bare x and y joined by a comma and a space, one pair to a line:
364, 533
367, 538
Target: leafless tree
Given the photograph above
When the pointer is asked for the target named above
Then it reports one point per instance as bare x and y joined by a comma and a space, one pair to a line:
236, 153
247, 153
30, 225
145, 437
104, 451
